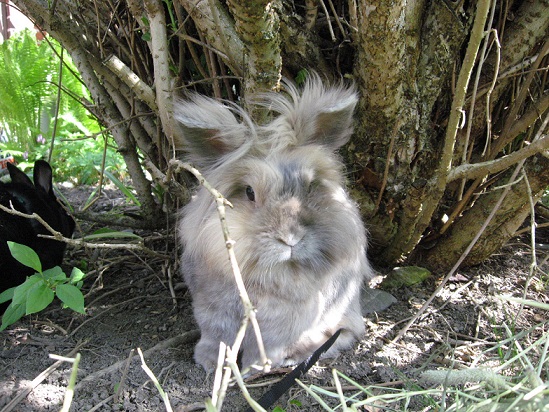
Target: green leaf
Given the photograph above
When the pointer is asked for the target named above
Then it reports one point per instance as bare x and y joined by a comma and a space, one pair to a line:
123, 188
55, 274
7, 295
13, 313
106, 233
76, 276
25, 255
21, 291
71, 296
39, 297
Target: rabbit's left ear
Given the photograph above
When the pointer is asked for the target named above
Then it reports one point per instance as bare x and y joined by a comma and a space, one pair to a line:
318, 115
333, 124
18, 177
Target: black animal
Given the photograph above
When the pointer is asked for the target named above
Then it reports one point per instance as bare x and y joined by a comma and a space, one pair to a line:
30, 198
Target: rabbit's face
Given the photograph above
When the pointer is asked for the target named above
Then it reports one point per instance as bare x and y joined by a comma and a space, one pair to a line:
291, 215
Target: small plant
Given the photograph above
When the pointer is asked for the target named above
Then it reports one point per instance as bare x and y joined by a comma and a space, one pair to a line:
39, 290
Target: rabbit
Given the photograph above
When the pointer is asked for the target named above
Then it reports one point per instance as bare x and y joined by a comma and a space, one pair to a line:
30, 198
299, 238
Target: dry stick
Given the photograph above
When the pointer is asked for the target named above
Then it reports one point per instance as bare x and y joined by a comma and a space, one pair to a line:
496, 207
518, 104
332, 35
153, 378
490, 91
124, 376
55, 235
482, 58
231, 360
387, 166
38, 380
336, 17
101, 404
462, 257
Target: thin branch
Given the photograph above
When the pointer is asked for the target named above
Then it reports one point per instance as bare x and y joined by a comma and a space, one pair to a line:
477, 170
495, 209
452, 271
55, 235
161, 63
132, 80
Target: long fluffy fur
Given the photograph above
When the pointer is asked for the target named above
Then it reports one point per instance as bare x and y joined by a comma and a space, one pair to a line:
299, 238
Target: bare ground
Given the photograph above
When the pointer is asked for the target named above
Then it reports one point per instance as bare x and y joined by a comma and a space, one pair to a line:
129, 306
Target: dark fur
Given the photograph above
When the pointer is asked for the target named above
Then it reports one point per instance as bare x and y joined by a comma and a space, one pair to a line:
30, 198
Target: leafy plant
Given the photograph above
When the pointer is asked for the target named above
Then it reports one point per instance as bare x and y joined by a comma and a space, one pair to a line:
29, 81
39, 290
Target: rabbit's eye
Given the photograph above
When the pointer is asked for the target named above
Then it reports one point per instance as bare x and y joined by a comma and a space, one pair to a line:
250, 193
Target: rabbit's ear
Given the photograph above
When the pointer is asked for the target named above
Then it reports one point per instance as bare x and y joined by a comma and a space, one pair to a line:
18, 177
324, 115
211, 129
319, 114
43, 176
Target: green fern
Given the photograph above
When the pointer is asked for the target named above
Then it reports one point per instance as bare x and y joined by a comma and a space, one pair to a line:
29, 73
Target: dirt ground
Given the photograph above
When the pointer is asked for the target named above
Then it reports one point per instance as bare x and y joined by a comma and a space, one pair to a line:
129, 306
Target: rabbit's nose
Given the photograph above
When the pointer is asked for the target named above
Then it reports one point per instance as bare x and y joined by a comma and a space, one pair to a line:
290, 239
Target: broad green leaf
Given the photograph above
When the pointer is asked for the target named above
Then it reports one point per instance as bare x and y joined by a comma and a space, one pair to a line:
55, 274
7, 295
71, 296
13, 313
21, 291
38, 298
76, 275
25, 255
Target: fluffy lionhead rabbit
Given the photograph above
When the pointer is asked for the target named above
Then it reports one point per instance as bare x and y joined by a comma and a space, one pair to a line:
300, 242
30, 198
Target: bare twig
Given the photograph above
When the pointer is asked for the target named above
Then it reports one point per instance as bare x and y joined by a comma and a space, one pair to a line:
153, 378
472, 171
451, 273
55, 235
132, 80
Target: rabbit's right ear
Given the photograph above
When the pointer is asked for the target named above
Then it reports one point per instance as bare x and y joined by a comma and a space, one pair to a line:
43, 176
18, 177
211, 130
